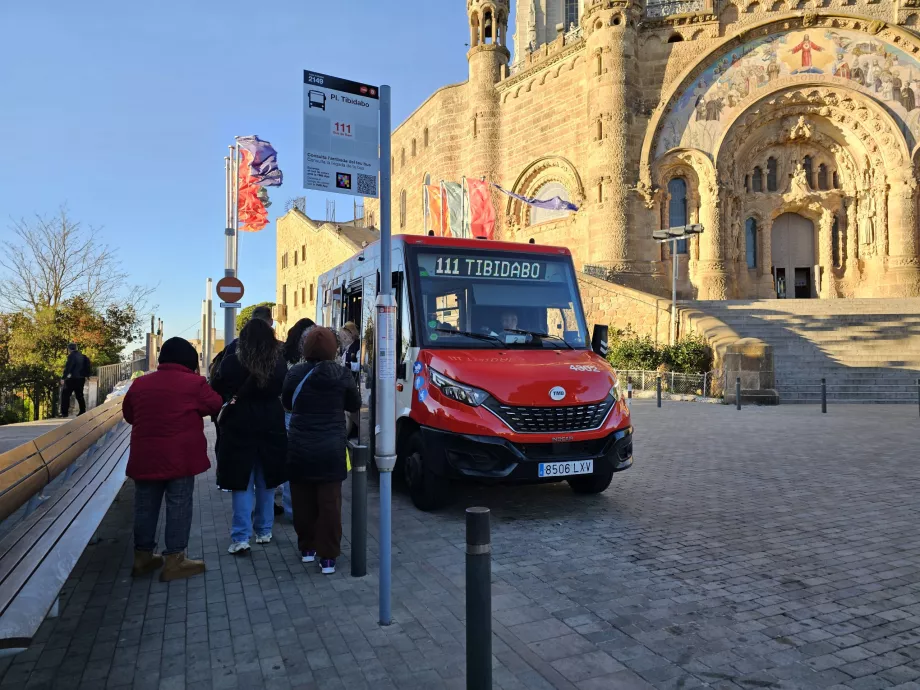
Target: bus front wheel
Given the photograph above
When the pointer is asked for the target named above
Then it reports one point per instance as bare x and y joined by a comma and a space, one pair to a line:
427, 490
591, 483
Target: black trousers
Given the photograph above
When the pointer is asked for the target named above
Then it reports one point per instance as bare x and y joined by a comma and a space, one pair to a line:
75, 387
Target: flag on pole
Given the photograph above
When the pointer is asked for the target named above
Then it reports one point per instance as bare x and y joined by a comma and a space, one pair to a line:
458, 212
263, 161
250, 209
434, 209
482, 212
554, 204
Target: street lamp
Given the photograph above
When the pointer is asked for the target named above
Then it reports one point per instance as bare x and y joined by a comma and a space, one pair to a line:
674, 235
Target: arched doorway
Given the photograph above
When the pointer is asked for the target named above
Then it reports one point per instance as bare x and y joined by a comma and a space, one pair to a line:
793, 250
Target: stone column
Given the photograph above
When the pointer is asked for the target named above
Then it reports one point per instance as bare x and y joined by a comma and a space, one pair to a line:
826, 255
713, 273
852, 235
903, 242
768, 289
608, 169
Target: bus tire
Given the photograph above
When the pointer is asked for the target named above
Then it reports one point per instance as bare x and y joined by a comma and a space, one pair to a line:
427, 490
591, 483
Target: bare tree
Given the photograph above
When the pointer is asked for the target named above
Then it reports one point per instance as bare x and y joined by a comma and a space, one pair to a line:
55, 258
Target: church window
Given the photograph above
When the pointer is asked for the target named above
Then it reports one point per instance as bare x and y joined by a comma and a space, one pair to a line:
487, 35
747, 183
771, 174
750, 242
809, 170
414, 150
402, 158
835, 243
600, 130
546, 192
402, 209
571, 13
427, 179
475, 126
836, 180
599, 65
425, 138
757, 180
677, 208
822, 177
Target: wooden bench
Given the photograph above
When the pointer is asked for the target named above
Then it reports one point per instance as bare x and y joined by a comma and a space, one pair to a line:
39, 552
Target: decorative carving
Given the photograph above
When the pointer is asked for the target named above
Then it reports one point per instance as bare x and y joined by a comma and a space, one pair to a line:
801, 130
809, 19
876, 26
798, 188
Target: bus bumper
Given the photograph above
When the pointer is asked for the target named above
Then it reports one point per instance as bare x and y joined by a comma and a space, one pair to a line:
491, 458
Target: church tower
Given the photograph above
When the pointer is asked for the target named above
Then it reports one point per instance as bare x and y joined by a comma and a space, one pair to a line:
488, 58
609, 29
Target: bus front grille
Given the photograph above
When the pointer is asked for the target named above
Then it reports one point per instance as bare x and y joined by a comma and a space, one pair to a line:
551, 420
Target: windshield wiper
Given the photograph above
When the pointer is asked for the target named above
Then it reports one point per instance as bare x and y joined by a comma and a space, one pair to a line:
538, 334
469, 334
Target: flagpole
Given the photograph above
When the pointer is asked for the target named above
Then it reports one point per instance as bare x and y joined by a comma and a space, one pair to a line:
230, 247
425, 205
463, 229
445, 210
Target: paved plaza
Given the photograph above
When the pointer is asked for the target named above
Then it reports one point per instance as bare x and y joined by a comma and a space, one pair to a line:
766, 548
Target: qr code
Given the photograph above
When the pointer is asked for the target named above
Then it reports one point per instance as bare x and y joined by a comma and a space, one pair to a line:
367, 184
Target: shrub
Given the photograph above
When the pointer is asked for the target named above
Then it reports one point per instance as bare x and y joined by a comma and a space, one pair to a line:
628, 350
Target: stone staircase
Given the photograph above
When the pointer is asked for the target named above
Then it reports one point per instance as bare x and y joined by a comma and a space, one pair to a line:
868, 350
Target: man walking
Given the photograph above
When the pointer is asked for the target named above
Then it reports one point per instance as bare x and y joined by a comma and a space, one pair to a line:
76, 371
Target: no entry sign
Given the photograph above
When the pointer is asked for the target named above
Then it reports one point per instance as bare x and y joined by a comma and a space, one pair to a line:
230, 289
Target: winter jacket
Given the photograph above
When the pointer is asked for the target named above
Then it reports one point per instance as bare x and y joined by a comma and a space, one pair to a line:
316, 437
252, 427
165, 409
77, 366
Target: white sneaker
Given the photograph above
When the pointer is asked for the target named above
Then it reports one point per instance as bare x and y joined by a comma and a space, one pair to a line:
264, 539
238, 547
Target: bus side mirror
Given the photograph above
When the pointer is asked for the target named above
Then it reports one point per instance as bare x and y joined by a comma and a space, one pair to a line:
599, 340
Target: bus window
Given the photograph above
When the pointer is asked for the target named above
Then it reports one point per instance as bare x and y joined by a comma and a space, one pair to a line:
447, 311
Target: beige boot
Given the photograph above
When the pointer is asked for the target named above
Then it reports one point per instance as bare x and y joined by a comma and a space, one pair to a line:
145, 562
178, 567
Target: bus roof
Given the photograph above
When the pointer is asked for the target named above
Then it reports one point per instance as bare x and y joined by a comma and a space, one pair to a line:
474, 243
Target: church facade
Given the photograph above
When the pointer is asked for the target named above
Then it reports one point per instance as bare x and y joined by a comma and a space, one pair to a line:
788, 129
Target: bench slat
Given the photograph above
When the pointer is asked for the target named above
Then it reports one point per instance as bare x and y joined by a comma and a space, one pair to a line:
23, 616
22, 475
24, 549
64, 451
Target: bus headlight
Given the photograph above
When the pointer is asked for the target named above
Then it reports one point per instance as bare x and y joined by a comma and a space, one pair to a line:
457, 391
615, 390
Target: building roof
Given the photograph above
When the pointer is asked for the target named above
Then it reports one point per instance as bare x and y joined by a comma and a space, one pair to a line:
352, 231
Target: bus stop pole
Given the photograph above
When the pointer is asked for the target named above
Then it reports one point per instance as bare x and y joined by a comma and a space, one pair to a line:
229, 250
385, 384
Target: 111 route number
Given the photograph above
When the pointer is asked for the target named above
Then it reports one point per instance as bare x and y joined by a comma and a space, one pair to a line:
342, 129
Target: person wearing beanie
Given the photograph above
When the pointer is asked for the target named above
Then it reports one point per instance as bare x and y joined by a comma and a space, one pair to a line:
168, 448
318, 392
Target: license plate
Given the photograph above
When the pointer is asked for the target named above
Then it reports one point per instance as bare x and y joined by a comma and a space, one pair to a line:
565, 469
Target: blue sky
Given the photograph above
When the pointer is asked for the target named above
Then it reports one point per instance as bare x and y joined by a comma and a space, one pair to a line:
124, 110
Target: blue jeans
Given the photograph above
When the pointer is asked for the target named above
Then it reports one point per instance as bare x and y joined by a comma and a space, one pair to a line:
244, 521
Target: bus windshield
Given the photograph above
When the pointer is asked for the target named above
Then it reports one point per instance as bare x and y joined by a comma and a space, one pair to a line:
483, 299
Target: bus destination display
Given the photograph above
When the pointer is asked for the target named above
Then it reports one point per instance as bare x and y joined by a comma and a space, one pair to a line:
478, 267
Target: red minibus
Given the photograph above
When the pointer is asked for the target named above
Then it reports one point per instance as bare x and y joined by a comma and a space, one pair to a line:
496, 377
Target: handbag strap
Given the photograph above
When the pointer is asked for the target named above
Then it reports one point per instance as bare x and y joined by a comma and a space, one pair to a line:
299, 386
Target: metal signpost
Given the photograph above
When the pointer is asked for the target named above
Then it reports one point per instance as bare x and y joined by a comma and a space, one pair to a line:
231, 233
230, 290
675, 235
346, 146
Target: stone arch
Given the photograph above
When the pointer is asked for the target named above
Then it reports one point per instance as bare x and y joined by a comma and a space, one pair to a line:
897, 36
535, 176
696, 168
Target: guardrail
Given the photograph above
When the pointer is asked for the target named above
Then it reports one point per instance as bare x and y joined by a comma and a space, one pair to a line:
672, 382
828, 391
110, 375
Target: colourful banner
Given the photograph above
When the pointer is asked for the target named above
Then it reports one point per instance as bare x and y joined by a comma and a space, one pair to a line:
434, 209
482, 212
458, 209
252, 214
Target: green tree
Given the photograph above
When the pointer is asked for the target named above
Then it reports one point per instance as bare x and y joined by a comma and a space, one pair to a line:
246, 313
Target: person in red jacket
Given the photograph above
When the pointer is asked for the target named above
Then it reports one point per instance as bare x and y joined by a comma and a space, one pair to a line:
168, 448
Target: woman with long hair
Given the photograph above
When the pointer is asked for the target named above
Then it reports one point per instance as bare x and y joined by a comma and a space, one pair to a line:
253, 439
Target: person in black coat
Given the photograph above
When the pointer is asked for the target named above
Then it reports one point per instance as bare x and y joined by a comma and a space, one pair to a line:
318, 393
253, 441
76, 371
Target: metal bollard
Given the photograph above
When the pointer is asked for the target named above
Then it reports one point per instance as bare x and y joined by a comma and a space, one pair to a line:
629, 390
738, 392
658, 388
358, 510
478, 599
824, 396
